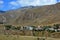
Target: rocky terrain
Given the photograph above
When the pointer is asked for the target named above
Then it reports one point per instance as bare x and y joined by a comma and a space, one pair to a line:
39, 15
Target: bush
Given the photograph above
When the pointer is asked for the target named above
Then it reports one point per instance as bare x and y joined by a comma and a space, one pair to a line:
46, 27
15, 28
8, 27
56, 26
51, 31
18, 28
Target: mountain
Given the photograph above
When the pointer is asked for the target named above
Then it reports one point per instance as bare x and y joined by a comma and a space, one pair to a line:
2, 11
44, 15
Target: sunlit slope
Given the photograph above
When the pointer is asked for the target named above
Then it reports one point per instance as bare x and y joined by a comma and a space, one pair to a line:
44, 15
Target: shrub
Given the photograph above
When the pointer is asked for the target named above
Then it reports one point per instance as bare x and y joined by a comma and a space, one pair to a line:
8, 27
13, 28
46, 27
18, 28
56, 26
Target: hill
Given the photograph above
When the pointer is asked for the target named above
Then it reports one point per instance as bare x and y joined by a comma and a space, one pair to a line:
39, 15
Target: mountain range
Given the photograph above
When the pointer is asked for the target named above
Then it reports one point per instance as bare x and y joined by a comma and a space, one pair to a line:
32, 15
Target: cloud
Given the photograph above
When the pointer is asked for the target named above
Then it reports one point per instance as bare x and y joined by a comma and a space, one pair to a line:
36, 2
32, 2
28, 2
1, 2
48, 2
13, 3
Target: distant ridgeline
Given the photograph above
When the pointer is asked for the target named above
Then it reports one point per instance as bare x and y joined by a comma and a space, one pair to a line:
28, 7
2, 11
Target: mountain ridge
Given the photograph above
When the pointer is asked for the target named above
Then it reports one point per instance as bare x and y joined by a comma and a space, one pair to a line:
44, 15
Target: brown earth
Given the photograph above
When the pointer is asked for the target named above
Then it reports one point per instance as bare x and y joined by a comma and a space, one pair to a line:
44, 15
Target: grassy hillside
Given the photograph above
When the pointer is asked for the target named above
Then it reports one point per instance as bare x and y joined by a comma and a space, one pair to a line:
44, 15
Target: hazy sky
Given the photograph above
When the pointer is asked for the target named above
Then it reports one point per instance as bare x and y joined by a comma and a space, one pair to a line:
14, 4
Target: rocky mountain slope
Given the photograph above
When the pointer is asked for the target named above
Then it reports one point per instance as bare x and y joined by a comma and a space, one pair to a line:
43, 15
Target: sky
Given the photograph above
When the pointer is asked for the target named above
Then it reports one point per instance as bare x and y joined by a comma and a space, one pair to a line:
14, 4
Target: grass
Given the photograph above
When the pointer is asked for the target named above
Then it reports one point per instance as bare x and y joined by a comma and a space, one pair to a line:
18, 37
15, 37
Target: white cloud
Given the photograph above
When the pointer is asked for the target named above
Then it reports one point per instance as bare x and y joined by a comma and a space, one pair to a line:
48, 2
28, 2
36, 2
32, 2
1, 2
13, 3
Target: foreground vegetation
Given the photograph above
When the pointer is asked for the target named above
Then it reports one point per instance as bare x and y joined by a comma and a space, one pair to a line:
11, 32
18, 37
54, 28
41, 31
